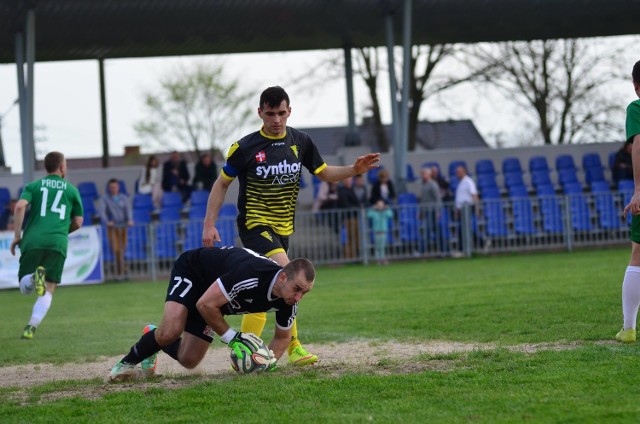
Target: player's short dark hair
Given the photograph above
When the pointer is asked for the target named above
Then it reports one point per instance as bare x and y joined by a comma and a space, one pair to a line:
635, 74
52, 161
113, 180
273, 96
293, 268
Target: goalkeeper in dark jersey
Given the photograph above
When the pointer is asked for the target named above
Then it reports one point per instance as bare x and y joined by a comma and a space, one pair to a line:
268, 164
205, 285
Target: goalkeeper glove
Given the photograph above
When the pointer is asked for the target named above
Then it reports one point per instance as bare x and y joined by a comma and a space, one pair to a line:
272, 362
245, 343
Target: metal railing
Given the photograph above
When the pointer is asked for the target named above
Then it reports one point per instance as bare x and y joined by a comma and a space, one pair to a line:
415, 231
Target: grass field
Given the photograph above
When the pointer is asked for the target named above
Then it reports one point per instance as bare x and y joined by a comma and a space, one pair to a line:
568, 302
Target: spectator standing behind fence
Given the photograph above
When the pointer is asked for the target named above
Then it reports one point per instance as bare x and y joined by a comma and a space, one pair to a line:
348, 201
466, 194
360, 189
443, 184
175, 176
115, 212
383, 189
150, 181
380, 215
206, 173
431, 198
622, 164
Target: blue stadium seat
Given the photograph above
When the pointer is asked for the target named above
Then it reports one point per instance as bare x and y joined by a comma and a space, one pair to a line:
485, 166
540, 178
494, 214
372, 174
136, 242
523, 215
141, 216
567, 176
193, 234
565, 162
166, 239
511, 164
142, 201
226, 224
89, 207
591, 160
487, 182
513, 179
611, 159
171, 199
199, 197
197, 211
538, 163
626, 185
550, 208
5, 196
593, 175
609, 215
408, 217
579, 207
88, 189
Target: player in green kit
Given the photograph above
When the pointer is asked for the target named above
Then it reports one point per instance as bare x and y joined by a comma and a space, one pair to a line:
631, 281
56, 211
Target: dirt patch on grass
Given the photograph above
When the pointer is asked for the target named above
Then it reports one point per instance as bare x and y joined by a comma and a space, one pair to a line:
372, 357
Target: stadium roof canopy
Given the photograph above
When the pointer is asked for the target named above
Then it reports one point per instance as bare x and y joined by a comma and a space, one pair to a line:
103, 29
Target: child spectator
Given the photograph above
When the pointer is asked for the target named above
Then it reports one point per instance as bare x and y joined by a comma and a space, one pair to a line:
380, 215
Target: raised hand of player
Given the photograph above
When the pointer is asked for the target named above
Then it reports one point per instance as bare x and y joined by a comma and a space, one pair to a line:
210, 236
366, 162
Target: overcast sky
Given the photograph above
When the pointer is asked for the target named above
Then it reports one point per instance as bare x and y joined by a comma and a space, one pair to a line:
68, 107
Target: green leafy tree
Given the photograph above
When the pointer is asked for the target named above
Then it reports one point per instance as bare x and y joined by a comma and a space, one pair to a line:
196, 107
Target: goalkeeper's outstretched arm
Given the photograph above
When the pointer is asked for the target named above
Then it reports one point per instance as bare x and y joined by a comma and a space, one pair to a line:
280, 341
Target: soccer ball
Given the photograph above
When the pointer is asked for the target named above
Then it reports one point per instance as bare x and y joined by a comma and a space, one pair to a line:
257, 361
26, 286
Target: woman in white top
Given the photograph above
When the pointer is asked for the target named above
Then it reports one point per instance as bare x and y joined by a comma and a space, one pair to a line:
150, 181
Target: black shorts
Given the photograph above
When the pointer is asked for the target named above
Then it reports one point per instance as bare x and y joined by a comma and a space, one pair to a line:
183, 290
264, 240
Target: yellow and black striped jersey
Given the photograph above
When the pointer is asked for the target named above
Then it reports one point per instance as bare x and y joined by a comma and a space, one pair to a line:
268, 169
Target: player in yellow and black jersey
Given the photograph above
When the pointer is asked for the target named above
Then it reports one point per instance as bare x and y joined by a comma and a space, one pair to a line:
268, 164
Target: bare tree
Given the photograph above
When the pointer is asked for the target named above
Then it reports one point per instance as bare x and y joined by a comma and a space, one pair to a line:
562, 83
195, 106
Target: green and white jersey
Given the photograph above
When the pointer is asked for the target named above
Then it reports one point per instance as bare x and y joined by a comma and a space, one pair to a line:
54, 201
633, 120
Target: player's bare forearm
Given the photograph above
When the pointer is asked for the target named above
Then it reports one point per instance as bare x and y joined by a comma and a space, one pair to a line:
76, 223
209, 306
361, 165
214, 203
279, 343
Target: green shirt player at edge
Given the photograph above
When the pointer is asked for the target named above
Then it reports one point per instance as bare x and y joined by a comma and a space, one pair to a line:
631, 281
268, 164
56, 211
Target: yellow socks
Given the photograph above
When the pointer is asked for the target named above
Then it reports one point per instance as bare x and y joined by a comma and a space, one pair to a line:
254, 323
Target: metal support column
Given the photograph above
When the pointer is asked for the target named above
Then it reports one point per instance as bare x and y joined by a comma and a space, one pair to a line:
26, 48
401, 174
103, 116
393, 88
352, 137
